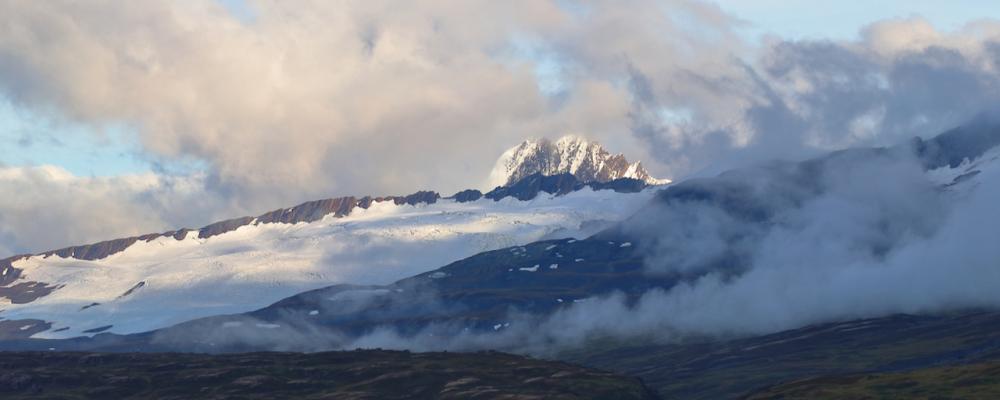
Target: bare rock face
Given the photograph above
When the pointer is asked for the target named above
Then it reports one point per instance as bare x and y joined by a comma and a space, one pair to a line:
9, 274
17, 290
96, 250
310, 211
530, 186
22, 328
425, 197
26, 292
222, 227
467, 195
585, 160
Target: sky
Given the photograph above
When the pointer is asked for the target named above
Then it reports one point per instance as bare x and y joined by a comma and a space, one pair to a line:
171, 114
114, 153
800, 19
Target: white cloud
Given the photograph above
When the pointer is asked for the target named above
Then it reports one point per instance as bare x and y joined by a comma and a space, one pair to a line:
316, 99
46, 207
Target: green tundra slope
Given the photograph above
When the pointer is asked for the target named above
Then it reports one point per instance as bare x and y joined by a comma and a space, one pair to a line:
974, 381
367, 374
733, 368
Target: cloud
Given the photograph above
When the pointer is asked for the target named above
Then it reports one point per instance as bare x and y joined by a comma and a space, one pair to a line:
307, 99
856, 234
46, 207
317, 99
795, 99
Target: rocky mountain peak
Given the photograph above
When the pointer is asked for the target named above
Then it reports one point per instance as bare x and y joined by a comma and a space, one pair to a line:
587, 160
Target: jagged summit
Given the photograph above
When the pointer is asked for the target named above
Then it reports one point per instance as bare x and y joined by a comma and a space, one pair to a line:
588, 161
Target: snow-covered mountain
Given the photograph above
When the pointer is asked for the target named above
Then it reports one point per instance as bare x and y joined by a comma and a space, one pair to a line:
588, 161
557, 292
142, 283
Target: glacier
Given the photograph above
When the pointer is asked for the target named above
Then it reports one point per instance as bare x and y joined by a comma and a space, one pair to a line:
167, 280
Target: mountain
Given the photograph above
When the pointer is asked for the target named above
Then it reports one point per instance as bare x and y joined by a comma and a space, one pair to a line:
620, 298
525, 284
492, 292
594, 300
153, 281
587, 161
507, 297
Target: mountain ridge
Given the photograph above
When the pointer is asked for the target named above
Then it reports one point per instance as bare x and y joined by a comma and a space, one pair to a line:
254, 261
543, 276
314, 210
505, 298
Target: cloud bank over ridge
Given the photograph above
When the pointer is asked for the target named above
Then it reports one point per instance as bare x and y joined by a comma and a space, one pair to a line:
854, 234
333, 98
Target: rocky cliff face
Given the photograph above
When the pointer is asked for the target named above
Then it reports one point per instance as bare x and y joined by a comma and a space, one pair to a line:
585, 160
530, 186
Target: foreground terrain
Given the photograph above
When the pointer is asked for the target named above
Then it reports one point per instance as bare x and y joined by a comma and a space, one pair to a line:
368, 374
885, 347
976, 381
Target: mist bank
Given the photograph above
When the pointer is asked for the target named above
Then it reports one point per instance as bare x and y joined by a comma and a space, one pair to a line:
858, 233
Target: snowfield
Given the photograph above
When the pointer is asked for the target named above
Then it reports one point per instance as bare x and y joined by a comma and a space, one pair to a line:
172, 281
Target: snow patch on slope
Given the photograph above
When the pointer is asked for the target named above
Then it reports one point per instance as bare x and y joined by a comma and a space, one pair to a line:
968, 169
256, 265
